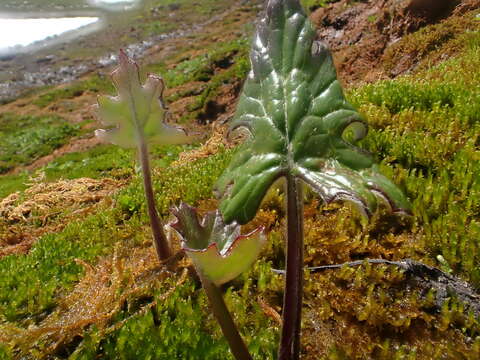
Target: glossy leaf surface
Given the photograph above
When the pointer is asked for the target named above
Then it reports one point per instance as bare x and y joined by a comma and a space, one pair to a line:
297, 116
218, 250
137, 113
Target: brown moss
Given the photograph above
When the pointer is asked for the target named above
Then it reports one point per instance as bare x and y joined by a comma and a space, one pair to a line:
46, 208
126, 280
373, 309
216, 142
337, 233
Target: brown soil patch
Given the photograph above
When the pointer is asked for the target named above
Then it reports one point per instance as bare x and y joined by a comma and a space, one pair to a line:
361, 32
46, 208
222, 108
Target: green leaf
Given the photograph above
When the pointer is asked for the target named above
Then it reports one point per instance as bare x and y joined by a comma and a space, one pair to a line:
298, 120
137, 113
218, 250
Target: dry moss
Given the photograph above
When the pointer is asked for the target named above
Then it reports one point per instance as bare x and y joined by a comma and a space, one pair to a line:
373, 312
212, 146
122, 282
46, 208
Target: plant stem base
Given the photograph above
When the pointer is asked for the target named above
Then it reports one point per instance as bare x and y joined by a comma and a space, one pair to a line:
292, 302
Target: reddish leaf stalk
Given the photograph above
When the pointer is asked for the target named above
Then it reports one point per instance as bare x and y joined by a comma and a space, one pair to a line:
224, 318
292, 301
159, 239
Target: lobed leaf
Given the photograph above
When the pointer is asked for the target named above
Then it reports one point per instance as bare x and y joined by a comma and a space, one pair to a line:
137, 113
218, 250
297, 116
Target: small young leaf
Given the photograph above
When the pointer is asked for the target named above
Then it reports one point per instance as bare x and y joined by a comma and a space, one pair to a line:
296, 113
219, 251
137, 112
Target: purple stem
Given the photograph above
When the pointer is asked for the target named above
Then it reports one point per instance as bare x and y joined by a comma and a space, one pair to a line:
292, 301
159, 239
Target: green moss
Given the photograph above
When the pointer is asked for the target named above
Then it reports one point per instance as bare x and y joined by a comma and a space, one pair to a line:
186, 71
235, 73
101, 161
404, 94
158, 20
182, 327
94, 84
227, 65
5, 354
150, 335
26, 138
426, 127
11, 183
152, 28
98, 162
203, 67
31, 282
188, 183
312, 5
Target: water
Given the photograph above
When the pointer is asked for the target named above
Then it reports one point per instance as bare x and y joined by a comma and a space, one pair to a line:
59, 5
71, 55
47, 42
114, 4
23, 32
47, 23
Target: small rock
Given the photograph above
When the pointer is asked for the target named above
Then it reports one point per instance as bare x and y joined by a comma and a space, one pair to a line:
45, 59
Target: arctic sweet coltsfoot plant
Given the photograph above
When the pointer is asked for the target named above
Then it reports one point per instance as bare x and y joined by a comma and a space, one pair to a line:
133, 119
297, 116
295, 111
220, 253
218, 250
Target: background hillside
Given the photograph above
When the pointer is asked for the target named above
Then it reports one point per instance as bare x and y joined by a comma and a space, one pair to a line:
78, 274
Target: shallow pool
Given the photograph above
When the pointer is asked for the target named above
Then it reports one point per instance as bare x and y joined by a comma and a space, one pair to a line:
22, 25
22, 32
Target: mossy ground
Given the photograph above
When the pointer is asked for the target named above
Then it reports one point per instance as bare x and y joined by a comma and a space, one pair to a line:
26, 138
92, 287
